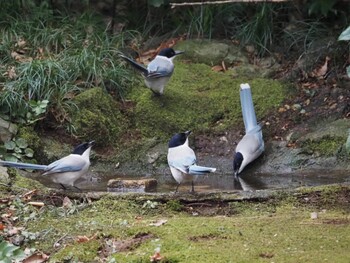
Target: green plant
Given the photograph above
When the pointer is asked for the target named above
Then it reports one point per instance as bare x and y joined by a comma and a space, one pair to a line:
323, 7
258, 30
51, 58
10, 253
16, 149
150, 205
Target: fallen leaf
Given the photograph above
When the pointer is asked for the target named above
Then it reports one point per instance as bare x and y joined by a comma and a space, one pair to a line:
82, 239
28, 195
320, 72
2, 226
156, 257
217, 68
266, 255
66, 202
15, 231
37, 257
21, 43
11, 73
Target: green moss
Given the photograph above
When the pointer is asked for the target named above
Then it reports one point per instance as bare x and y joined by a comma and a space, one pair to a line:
98, 117
20, 181
198, 98
82, 252
272, 227
326, 146
28, 133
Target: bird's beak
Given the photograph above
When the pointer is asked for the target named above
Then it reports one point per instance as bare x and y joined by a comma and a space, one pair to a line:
91, 143
188, 133
178, 52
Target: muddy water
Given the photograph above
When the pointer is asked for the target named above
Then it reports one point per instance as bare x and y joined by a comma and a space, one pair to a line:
225, 182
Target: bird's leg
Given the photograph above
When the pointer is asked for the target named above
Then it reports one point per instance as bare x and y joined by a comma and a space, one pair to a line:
177, 187
192, 190
63, 187
76, 187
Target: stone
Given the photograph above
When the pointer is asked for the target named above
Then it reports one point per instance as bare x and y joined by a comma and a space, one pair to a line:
347, 144
7, 130
211, 52
4, 177
132, 185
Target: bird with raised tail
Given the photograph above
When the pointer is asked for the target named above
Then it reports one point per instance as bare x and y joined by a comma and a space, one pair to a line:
251, 146
158, 71
182, 160
64, 171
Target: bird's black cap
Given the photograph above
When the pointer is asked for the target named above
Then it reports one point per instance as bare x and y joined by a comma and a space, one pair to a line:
81, 148
178, 139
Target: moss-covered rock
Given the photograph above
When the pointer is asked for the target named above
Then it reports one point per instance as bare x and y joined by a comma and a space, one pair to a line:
211, 52
98, 117
200, 99
326, 139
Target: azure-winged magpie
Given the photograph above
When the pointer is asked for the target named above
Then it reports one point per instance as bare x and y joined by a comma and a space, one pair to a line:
251, 146
64, 171
182, 160
158, 71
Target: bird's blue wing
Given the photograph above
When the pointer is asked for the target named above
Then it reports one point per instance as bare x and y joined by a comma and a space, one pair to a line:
182, 164
70, 163
160, 67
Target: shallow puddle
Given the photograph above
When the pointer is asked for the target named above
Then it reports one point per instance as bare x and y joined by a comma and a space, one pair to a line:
225, 182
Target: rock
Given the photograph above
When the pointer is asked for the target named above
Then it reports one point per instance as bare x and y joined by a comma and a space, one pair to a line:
211, 52
338, 128
128, 185
7, 130
4, 177
347, 144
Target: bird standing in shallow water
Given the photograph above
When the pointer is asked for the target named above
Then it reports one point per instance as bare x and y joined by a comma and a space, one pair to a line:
158, 71
64, 171
251, 146
182, 160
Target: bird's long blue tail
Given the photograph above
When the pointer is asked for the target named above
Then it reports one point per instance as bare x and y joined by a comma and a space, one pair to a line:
136, 65
247, 105
195, 169
23, 165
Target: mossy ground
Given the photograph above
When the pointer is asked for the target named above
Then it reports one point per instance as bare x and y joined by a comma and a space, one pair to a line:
278, 229
199, 99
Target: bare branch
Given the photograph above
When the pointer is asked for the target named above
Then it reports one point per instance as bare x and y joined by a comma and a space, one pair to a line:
173, 5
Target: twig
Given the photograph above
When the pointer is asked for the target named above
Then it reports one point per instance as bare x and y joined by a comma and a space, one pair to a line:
173, 5
59, 240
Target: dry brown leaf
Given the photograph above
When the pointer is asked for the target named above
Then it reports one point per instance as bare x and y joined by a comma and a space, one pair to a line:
27, 196
2, 226
217, 68
320, 72
156, 257
21, 43
37, 257
82, 239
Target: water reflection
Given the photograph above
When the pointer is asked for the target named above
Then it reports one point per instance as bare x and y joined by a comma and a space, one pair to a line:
226, 182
